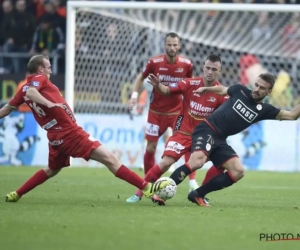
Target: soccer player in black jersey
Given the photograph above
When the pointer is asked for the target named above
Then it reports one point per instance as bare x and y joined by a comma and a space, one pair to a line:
243, 108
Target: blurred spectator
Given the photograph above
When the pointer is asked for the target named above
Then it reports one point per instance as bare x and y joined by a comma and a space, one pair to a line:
291, 36
17, 29
51, 13
60, 6
47, 38
262, 31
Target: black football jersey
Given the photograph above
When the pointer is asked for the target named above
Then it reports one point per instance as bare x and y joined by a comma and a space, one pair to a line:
240, 111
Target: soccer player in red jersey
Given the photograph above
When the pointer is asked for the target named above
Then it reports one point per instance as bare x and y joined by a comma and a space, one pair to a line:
66, 138
164, 110
195, 108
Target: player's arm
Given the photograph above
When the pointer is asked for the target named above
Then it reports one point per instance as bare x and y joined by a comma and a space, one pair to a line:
294, 114
155, 82
6, 110
139, 82
34, 95
219, 90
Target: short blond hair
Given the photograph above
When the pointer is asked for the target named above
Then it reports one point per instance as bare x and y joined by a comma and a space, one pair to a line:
35, 62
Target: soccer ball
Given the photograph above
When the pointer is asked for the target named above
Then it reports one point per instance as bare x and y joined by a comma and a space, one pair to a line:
169, 191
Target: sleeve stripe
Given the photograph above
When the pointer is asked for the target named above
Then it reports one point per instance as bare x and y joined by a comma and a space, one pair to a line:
13, 107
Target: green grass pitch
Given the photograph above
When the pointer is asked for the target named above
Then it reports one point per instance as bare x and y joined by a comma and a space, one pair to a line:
84, 208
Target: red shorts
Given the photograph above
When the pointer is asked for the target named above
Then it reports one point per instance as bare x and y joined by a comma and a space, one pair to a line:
74, 143
178, 145
158, 124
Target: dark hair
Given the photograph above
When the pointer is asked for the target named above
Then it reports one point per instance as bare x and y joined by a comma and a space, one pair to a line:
214, 58
35, 62
269, 78
173, 35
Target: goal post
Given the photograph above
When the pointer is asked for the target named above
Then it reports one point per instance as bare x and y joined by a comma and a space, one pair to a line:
206, 27
109, 43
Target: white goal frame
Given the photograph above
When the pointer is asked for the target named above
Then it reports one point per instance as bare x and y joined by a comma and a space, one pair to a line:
72, 6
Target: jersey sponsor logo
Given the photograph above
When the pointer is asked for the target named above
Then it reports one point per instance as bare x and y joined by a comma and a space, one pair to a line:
50, 124
211, 99
179, 70
195, 82
178, 122
167, 78
163, 69
174, 146
158, 60
173, 84
56, 142
68, 111
35, 83
152, 129
184, 60
246, 113
200, 107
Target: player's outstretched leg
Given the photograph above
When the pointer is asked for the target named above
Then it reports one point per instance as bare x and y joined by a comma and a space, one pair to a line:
149, 160
211, 173
155, 173
235, 172
37, 179
101, 154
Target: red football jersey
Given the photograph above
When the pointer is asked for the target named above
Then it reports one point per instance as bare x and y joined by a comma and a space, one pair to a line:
195, 107
48, 118
169, 74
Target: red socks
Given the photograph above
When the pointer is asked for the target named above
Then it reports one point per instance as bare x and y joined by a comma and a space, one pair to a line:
149, 161
211, 173
154, 174
37, 179
131, 177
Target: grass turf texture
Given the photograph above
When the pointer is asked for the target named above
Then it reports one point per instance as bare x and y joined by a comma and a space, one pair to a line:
86, 209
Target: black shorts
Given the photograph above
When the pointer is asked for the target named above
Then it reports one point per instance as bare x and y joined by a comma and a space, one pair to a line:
212, 144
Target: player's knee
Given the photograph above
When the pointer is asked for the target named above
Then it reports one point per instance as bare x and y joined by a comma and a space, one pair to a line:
237, 172
151, 147
50, 172
197, 160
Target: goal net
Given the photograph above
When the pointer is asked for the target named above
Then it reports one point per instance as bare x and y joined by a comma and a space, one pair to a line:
114, 40
109, 43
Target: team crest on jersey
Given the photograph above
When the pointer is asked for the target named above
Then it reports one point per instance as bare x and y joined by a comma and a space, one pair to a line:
246, 113
195, 82
173, 84
211, 99
35, 83
179, 70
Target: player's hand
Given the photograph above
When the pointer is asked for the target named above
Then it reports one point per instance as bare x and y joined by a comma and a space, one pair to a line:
200, 90
131, 103
153, 80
